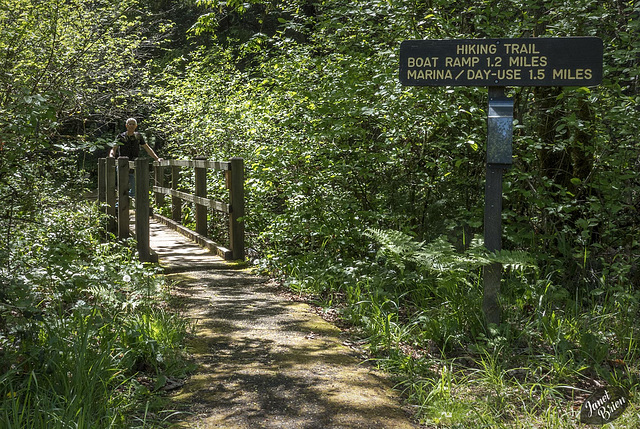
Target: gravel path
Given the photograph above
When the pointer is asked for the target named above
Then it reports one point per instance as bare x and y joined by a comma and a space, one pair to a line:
265, 361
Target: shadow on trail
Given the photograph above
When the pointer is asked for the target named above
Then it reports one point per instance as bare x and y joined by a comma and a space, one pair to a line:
265, 362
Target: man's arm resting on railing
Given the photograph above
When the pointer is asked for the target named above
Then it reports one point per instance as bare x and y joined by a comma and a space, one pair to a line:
151, 153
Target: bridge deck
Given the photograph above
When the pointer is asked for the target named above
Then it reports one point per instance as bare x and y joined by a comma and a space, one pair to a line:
176, 253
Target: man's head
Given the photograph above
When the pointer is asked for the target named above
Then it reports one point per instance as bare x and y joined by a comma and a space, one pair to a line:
131, 125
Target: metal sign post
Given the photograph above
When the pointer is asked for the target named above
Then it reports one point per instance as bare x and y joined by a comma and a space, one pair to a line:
497, 63
499, 158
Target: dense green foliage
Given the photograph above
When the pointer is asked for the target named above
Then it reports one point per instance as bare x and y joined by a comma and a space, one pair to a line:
364, 193
335, 145
84, 335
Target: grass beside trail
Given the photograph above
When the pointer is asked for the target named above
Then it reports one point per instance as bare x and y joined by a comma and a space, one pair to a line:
417, 310
86, 340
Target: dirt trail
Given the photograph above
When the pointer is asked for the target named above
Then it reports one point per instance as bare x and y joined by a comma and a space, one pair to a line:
268, 362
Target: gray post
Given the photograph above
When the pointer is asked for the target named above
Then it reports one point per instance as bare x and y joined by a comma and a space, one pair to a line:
236, 200
201, 191
123, 197
110, 193
499, 157
142, 208
493, 242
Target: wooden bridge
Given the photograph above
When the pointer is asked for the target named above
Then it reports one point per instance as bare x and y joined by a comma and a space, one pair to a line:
173, 178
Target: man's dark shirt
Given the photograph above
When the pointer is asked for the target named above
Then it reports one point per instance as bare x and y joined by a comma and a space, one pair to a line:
129, 146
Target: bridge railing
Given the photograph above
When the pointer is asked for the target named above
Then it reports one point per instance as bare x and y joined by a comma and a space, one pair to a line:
113, 192
234, 178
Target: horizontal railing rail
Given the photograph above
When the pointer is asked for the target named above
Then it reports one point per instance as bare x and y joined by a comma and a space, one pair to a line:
211, 204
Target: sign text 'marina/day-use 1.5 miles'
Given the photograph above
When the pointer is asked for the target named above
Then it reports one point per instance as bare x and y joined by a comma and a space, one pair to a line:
569, 61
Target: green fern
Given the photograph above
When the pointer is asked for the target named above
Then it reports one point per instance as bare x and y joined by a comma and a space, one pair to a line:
394, 242
438, 256
513, 259
401, 250
395, 246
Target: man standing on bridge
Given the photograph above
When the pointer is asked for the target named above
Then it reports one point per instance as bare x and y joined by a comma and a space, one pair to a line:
128, 144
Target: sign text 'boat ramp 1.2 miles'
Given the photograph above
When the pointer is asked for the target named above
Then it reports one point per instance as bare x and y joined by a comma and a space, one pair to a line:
570, 61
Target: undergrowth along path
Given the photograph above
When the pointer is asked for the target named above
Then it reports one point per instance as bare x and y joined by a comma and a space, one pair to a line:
265, 361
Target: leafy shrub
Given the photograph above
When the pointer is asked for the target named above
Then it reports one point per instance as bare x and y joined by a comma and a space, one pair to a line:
80, 321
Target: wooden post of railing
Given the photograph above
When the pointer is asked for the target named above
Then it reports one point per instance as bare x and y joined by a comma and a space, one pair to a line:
201, 191
123, 197
110, 193
102, 195
176, 202
159, 180
236, 200
142, 208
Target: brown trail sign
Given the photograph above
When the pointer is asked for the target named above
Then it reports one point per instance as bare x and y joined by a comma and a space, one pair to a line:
497, 63
571, 61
